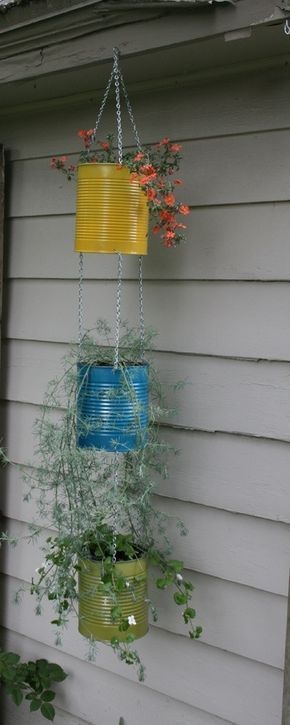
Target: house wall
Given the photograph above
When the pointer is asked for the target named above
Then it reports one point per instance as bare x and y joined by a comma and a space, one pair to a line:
221, 305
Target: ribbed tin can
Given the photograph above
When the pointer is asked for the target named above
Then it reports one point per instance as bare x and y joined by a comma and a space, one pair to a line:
112, 407
95, 608
111, 211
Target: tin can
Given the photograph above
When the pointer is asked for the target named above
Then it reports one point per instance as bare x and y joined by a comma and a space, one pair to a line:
112, 407
95, 607
112, 213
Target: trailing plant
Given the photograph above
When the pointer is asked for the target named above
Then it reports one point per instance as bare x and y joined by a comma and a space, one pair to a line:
77, 496
31, 681
154, 167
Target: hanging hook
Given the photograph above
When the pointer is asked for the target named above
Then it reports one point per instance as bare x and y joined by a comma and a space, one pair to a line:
287, 27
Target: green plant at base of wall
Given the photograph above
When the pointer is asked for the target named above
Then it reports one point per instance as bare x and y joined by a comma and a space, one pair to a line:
30, 681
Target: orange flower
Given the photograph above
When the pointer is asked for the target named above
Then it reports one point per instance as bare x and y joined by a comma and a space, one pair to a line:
170, 200
178, 181
166, 215
164, 142
156, 229
151, 194
148, 169
175, 147
83, 133
145, 180
63, 159
105, 145
184, 209
139, 156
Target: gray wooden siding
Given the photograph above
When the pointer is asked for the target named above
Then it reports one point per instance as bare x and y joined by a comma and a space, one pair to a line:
221, 305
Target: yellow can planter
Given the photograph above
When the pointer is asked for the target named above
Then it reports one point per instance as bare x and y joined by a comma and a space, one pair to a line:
111, 211
95, 608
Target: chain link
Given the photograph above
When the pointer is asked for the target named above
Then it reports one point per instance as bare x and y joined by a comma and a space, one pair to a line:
287, 27
102, 106
81, 298
116, 72
116, 483
118, 311
130, 112
141, 308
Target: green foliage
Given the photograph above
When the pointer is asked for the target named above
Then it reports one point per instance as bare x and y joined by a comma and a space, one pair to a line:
76, 495
30, 681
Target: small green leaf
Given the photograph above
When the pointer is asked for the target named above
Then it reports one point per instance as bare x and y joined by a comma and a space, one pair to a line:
35, 705
176, 565
161, 583
57, 673
47, 710
114, 641
11, 658
116, 613
180, 598
188, 614
48, 696
124, 625
16, 695
188, 585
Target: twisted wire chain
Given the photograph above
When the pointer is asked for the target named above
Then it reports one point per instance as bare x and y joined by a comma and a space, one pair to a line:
81, 299
130, 112
102, 106
116, 73
287, 27
141, 308
116, 483
118, 311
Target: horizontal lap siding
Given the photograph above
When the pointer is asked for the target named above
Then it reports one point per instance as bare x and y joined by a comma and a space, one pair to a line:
228, 242
223, 296
234, 473
248, 319
221, 603
216, 394
216, 171
192, 673
107, 693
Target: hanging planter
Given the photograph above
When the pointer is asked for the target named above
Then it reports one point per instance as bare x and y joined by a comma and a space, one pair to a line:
112, 211
112, 407
96, 608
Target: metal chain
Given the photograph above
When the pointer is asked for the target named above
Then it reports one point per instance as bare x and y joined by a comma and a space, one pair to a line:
118, 311
287, 27
141, 308
116, 72
130, 111
81, 298
116, 483
102, 106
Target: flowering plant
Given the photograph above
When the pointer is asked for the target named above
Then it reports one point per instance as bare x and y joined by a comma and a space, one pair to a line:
154, 168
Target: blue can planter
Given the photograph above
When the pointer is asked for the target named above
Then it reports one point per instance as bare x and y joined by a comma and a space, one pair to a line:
112, 407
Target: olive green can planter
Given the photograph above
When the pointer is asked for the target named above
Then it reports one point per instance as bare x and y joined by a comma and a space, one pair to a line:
95, 607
